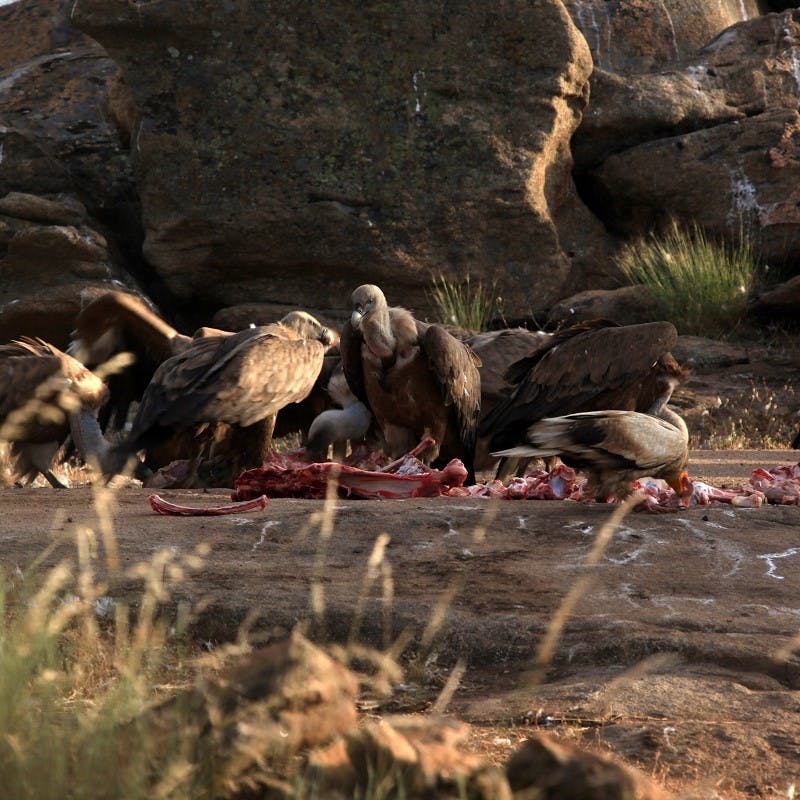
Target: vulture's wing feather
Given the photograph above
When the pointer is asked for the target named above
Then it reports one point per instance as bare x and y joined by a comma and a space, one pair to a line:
31, 367
350, 350
455, 368
119, 321
239, 379
610, 439
572, 372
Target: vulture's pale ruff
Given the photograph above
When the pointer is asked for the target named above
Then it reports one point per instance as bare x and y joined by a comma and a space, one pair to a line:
415, 378
614, 448
45, 395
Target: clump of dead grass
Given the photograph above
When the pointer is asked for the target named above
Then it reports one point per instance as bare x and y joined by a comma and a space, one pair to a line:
754, 417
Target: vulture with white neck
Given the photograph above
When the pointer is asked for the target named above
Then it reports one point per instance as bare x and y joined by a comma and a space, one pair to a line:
592, 366
415, 378
613, 448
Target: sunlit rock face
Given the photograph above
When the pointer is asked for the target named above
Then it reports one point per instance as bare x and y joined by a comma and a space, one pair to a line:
290, 152
279, 154
713, 139
630, 36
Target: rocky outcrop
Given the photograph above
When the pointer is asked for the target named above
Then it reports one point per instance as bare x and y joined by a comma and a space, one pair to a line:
69, 217
713, 141
277, 157
290, 153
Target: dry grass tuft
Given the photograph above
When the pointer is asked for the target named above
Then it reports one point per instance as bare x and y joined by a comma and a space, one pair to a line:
466, 305
702, 286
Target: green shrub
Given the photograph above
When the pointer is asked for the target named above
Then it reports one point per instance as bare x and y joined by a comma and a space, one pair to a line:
464, 305
702, 286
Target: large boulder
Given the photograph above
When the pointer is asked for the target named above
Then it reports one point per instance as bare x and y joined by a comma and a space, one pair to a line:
714, 141
288, 153
635, 36
69, 216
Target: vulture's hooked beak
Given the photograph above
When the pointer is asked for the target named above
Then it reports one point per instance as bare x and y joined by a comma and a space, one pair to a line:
357, 316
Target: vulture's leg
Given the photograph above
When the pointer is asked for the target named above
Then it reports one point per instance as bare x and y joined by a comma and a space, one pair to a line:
506, 468
40, 457
53, 480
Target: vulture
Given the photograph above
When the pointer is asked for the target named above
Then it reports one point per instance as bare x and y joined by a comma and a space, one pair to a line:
497, 350
45, 394
117, 322
122, 322
614, 448
230, 388
349, 422
592, 366
415, 378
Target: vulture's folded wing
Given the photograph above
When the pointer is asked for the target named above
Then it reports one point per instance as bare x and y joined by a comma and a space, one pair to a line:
455, 368
576, 369
350, 350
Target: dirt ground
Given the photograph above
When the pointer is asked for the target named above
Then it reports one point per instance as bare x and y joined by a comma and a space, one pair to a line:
678, 655
675, 651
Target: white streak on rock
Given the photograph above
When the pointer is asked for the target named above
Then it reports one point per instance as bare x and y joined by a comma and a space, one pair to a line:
771, 558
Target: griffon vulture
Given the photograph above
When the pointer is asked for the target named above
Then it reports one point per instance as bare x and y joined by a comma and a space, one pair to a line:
241, 380
592, 366
118, 322
497, 350
415, 378
614, 448
44, 395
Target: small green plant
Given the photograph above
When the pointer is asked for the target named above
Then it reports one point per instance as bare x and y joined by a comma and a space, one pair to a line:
464, 305
701, 285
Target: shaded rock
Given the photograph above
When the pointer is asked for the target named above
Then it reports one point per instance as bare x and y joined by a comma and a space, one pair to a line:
68, 207
715, 141
59, 210
699, 353
628, 306
560, 771
289, 694
720, 178
294, 152
783, 299
421, 755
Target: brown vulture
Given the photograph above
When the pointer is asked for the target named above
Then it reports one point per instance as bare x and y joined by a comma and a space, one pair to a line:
117, 322
613, 448
229, 388
122, 322
497, 350
592, 366
415, 378
44, 395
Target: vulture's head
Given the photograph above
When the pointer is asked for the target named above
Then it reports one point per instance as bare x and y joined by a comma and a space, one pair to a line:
683, 486
366, 299
309, 327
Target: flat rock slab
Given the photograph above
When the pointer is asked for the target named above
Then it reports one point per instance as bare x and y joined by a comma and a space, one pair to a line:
678, 653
